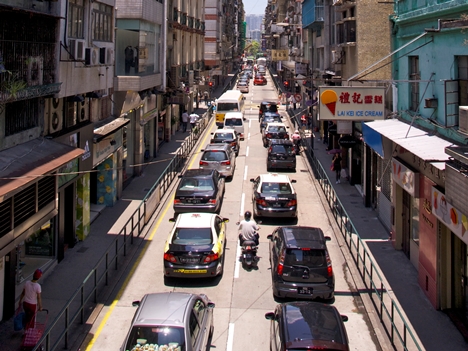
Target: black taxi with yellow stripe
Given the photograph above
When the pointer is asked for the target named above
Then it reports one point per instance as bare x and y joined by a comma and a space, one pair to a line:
195, 248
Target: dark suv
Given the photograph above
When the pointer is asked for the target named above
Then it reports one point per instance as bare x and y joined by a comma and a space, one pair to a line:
266, 106
300, 264
281, 154
307, 325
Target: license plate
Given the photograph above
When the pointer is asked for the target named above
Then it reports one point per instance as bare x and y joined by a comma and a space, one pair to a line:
304, 291
189, 260
191, 271
193, 201
276, 204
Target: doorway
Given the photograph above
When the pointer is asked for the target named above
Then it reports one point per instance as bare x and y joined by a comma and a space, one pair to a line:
406, 224
459, 279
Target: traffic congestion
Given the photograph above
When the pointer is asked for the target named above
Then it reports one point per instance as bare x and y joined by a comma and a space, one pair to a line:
243, 255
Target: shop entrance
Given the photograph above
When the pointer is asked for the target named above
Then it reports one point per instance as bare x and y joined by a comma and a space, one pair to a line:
406, 224
460, 279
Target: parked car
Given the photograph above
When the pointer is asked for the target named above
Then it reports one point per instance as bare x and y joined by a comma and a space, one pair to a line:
266, 106
274, 130
281, 154
199, 190
195, 247
307, 325
301, 267
269, 117
167, 320
243, 87
274, 196
235, 120
219, 157
227, 136
260, 80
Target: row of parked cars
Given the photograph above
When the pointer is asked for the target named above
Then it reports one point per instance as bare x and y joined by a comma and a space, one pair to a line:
301, 267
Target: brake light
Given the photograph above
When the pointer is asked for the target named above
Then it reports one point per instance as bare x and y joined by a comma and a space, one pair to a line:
227, 163
280, 267
212, 201
329, 266
269, 150
176, 201
210, 258
234, 143
203, 163
261, 202
169, 257
291, 203
268, 135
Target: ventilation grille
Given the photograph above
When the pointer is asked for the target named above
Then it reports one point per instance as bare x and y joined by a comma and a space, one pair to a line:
45, 191
24, 204
5, 217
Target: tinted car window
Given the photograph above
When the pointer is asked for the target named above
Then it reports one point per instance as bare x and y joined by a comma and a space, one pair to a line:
192, 236
233, 122
316, 258
154, 335
191, 184
276, 129
282, 149
214, 156
227, 106
224, 136
276, 188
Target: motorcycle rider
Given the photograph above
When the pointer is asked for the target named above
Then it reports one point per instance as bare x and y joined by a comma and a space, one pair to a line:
296, 139
248, 229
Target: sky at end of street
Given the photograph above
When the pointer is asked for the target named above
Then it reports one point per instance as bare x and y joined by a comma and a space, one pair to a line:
255, 7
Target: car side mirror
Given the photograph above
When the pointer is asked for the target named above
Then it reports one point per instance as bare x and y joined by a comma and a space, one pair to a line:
270, 237
344, 318
136, 303
327, 238
212, 133
270, 316
171, 219
180, 176
244, 119
225, 220
252, 180
202, 150
210, 305
293, 181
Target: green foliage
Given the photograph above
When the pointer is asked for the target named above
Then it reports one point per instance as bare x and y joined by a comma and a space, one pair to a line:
254, 48
12, 83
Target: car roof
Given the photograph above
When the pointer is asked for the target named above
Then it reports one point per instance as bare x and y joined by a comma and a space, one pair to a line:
198, 172
242, 83
306, 321
167, 308
225, 130
221, 147
268, 103
233, 115
276, 124
195, 220
274, 178
281, 141
271, 114
304, 237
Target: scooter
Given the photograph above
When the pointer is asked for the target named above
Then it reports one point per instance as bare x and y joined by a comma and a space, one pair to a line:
249, 256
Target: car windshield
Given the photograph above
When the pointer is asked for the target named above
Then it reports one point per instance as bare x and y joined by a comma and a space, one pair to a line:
305, 257
227, 106
276, 129
192, 236
214, 156
282, 149
156, 338
270, 119
224, 136
233, 122
195, 184
271, 108
276, 188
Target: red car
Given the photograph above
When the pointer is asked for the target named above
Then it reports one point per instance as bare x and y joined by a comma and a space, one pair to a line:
260, 80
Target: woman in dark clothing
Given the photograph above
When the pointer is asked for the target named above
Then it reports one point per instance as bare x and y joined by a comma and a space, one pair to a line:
337, 167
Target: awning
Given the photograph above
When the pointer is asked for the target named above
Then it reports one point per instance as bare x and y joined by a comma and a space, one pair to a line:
427, 147
23, 164
109, 128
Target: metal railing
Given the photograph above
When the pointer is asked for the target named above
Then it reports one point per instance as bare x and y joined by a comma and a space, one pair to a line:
391, 315
80, 305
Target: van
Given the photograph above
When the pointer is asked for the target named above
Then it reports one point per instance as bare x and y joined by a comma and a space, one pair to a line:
235, 120
230, 101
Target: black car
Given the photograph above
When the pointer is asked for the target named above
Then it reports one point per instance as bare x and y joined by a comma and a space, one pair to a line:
199, 190
301, 267
266, 106
269, 117
281, 154
305, 325
228, 136
274, 130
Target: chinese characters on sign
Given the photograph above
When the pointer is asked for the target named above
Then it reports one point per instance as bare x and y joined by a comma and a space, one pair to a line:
279, 55
351, 103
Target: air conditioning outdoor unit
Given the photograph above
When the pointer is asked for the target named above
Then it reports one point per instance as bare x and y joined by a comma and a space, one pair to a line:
463, 119
76, 47
83, 110
92, 56
54, 113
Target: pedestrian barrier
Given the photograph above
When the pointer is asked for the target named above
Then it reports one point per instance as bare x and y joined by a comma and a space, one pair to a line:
80, 306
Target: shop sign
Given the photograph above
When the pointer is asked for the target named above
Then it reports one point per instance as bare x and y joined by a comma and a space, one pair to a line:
148, 116
279, 55
344, 127
347, 141
352, 103
456, 221
104, 148
300, 68
405, 178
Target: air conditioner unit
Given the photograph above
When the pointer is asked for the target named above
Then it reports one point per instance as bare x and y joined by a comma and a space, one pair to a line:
463, 119
35, 67
109, 56
54, 114
83, 110
91, 56
76, 47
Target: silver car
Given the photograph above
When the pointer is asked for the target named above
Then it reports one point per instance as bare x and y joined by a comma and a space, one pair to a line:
166, 321
220, 157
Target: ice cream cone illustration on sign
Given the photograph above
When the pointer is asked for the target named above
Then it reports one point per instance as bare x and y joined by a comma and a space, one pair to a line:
329, 99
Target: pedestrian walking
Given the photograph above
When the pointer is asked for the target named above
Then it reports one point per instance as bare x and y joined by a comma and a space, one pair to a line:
31, 298
303, 120
206, 96
193, 120
294, 101
336, 166
185, 120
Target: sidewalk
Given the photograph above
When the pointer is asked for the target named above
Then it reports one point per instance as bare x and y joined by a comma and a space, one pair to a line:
59, 284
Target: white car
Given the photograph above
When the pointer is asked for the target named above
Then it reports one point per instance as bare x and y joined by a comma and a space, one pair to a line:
274, 130
195, 247
243, 87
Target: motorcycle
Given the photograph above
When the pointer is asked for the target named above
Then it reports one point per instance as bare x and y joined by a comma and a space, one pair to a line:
248, 255
297, 145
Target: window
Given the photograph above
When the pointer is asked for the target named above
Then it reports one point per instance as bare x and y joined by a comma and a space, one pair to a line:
21, 116
415, 76
194, 328
76, 19
102, 24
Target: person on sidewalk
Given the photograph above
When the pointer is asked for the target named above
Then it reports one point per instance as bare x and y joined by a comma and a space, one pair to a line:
336, 164
206, 96
193, 120
32, 299
185, 119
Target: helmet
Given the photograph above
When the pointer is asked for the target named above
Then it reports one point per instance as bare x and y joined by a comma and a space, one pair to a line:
37, 274
247, 215
296, 132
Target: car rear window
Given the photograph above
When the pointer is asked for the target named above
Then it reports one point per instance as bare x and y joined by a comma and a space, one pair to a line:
214, 156
281, 149
193, 184
276, 129
276, 188
270, 108
192, 236
305, 257
233, 122
223, 136
227, 106
156, 336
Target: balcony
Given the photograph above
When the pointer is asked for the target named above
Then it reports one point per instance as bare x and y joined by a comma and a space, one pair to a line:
346, 32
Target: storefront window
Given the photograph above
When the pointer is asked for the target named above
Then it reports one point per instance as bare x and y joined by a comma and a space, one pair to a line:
41, 243
415, 221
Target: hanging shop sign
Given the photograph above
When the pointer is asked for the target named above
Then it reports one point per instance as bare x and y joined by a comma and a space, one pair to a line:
300, 68
344, 127
456, 221
352, 103
405, 178
279, 55
347, 141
